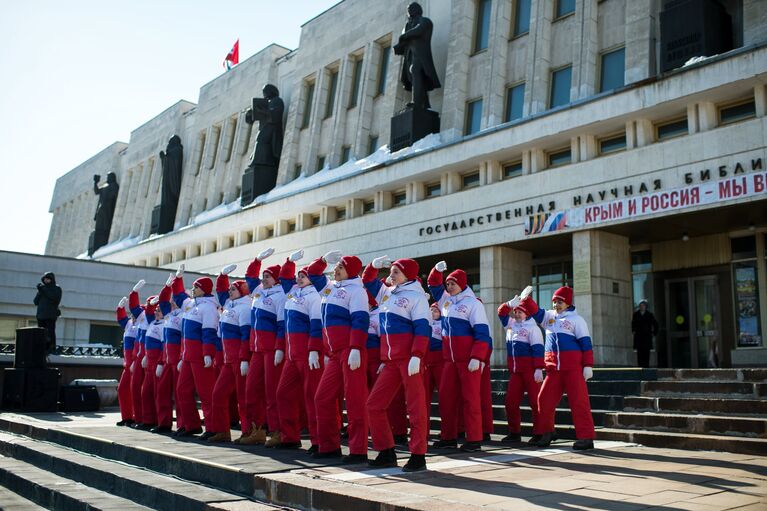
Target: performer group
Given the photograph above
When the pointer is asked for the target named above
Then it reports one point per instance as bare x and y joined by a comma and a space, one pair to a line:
287, 349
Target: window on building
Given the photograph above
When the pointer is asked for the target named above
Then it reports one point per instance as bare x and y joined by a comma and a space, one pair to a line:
549, 277
470, 180
309, 95
746, 289
473, 116
8, 326
356, 82
368, 206
482, 26
737, 112
560, 87
383, 69
346, 154
291, 227
433, 190
111, 335
269, 232
558, 158
515, 97
563, 8
671, 129
320, 163
641, 277
512, 169
332, 86
521, 17
399, 199
612, 144
340, 213
373, 144
612, 70
315, 220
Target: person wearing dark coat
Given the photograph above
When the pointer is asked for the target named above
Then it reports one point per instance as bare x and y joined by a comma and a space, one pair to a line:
47, 300
644, 327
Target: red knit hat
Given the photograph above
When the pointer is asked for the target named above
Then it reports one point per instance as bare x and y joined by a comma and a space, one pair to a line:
371, 301
242, 287
408, 266
274, 271
353, 265
459, 277
204, 283
564, 293
304, 270
522, 308
150, 298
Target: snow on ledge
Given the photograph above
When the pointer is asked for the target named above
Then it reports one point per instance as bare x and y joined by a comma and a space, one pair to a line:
116, 246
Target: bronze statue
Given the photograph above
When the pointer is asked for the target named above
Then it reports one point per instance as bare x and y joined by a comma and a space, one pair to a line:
105, 210
418, 72
268, 112
172, 171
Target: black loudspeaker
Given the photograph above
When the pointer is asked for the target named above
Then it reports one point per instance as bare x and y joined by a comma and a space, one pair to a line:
78, 398
31, 390
30, 348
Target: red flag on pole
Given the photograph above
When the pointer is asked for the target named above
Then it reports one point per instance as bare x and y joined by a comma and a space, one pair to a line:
233, 57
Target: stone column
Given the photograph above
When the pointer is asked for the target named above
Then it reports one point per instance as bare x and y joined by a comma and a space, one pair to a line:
640, 40
503, 272
602, 284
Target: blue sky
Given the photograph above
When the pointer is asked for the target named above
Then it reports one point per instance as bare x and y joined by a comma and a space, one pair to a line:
76, 76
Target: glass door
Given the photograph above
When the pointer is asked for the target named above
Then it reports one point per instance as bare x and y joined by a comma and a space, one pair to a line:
678, 323
707, 318
693, 322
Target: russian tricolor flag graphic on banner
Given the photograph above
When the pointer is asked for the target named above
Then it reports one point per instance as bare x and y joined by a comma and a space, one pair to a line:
233, 57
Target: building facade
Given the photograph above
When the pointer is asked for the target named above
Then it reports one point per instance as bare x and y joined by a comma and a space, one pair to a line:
568, 153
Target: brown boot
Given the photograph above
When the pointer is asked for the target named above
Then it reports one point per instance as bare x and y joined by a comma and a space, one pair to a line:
224, 436
257, 437
274, 439
246, 433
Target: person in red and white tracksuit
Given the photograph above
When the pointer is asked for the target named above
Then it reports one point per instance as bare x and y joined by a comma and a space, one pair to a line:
466, 344
139, 313
263, 374
432, 371
403, 316
345, 321
303, 363
130, 330
524, 349
152, 355
167, 367
569, 360
199, 334
234, 327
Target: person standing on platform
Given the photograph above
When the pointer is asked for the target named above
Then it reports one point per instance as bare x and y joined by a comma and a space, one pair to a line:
130, 330
48, 299
466, 345
569, 361
137, 371
432, 371
152, 356
524, 350
167, 368
644, 327
345, 321
405, 331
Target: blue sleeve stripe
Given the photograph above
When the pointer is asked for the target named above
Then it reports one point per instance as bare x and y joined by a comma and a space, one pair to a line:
373, 287
319, 281
210, 336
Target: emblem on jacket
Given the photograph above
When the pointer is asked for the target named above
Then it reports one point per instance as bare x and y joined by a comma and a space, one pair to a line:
401, 302
462, 309
341, 294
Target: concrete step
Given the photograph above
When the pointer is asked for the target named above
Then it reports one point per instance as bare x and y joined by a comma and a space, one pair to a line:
753, 427
562, 414
689, 441
711, 406
703, 388
598, 387
600, 373
156, 491
598, 401
501, 428
58, 493
745, 374
14, 502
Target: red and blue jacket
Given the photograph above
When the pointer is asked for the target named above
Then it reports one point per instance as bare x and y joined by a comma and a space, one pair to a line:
267, 313
143, 315
199, 324
153, 341
403, 316
234, 325
465, 330
435, 342
171, 332
130, 331
344, 310
303, 317
374, 331
524, 343
568, 343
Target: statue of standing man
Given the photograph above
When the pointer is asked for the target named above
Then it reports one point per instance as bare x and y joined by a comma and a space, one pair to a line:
105, 210
418, 72
261, 175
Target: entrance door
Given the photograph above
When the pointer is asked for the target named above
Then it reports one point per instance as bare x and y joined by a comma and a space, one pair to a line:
693, 321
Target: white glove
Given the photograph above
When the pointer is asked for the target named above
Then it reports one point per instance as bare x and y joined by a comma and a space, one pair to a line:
297, 255
380, 368
538, 375
473, 365
133, 366
170, 280
123, 302
180, 271
588, 373
154, 301
158, 371
244, 368
514, 302
414, 366
208, 361
326, 359
314, 360
381, 262
265, 253
527, 292
180, 363
482, 367
332, 257
279, 355
440, 266
139, 285
144, 362
229, 268
354, 359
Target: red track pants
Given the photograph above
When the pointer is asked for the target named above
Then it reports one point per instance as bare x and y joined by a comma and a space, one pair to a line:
148, 398
195, 376
229, 382
165, 396
388, 385
554, 385
432, 375
124, 395
397, 411
261, 390
298, 384
460, 384
486, 392
136, 381
339, 381
519, 383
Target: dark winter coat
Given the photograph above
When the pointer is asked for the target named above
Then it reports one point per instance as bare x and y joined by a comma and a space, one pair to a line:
644, 326
48, 298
